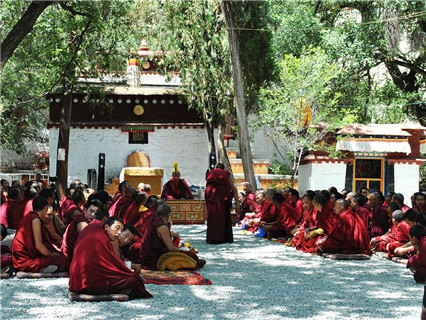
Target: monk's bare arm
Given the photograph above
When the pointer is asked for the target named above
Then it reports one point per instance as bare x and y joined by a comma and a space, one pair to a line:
75, 214
164, 234
235, 193
36, 223
81, 226
116, 247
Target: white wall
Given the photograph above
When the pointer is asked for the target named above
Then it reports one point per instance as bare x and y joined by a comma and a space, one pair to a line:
189, 147
406, 180
320, 176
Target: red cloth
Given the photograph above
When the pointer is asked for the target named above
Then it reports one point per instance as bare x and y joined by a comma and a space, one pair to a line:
297, 205
364, 214
65, 203
117, 197
218, 199
121, 212
348, 236
12, 212
419, 262
176, 191
95, 269
25, 256
379, 222
71, 235
326, 218
28, 207
120, 203
287, 218
268, 212
308, 221
132, 214
66, 215
401, 237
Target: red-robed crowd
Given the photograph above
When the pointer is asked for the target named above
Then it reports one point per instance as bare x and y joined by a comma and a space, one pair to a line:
331, 222
103, 244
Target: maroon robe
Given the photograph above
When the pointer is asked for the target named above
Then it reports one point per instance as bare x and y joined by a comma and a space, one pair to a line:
64, 205
66, 215
132, 214
379, 222
419, 262
71, 235
348, 236
95, 269
287, 219
218, 199
179, 191
125, 205
152, 247
123, 202
26, 257
364, 214
402, 236
297, 205
308, 221
267, 212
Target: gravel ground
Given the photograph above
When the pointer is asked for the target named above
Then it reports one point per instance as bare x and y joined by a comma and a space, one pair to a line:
252, 279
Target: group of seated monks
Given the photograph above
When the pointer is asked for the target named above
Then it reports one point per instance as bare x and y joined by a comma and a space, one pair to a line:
103, 244
331, 222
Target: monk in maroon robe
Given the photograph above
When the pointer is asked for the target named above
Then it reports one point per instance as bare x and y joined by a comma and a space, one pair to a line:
76, 226
124, 202
294, 200
11, 212
74, 209
308, 221
220, 190
5, 253
32, 247
157, 241
379, 219
176, 188
287, 219
132, 214
349, 235
417, 263
95, 269
357, 204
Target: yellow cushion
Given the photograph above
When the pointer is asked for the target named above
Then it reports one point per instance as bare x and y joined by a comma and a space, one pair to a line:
175, 261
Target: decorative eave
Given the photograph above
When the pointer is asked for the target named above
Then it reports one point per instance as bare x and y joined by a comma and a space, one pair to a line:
364, 143
406, 161
119, 126
312, 158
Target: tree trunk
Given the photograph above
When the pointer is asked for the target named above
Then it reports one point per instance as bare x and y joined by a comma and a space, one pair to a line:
221, 151
244, 142
21, 29
64, 139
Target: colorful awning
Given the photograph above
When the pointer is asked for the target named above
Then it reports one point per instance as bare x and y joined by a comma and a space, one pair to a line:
376, 144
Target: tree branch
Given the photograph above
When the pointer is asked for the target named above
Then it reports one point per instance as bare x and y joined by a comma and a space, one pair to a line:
74, 12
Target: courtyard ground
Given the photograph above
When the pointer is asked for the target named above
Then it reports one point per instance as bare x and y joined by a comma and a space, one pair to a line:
252, 279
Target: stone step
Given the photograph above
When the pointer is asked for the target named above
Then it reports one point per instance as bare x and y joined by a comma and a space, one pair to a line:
260, 166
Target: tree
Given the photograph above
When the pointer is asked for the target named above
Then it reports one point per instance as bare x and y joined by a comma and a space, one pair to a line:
59, 50
299, 110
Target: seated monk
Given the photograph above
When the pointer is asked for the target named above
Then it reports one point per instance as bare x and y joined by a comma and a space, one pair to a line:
6, 258
417, 263
124, 202
32, 248
379, 219
398, 235
357, 204
247, 206
307, 223
349, 234
294, 200
66, 201
121, 246
157, 241
133, 212
265, 211
95, 269
74, 209
77, 225
176, 188
287, 219
10, 212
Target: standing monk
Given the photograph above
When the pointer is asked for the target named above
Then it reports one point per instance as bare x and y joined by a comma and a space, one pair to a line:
220, 190
176, 188
32, 248
95, 269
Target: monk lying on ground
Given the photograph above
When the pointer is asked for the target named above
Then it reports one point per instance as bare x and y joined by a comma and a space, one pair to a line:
95, 269
32, 247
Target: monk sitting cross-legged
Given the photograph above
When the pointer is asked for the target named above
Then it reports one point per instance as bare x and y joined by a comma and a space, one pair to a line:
156, 242
349, 235
95, 269
32, 248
